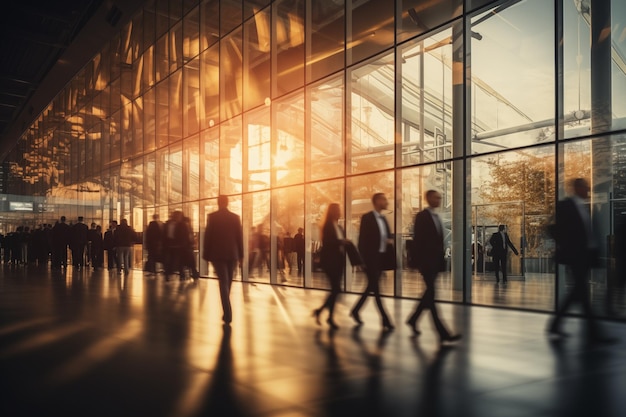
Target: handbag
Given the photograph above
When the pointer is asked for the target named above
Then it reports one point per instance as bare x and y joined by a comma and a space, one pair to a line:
388, 262
353, 254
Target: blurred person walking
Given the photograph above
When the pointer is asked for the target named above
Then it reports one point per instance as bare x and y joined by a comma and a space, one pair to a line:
154, 244
78, 242
60, 240
124, 239
376, 248
223, 247
429, 259
108, 244
332, 260
577, 249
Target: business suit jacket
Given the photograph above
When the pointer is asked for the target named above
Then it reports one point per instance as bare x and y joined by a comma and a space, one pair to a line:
428, 253
369, 240
498, 250
223, 237
572, 239
332, 254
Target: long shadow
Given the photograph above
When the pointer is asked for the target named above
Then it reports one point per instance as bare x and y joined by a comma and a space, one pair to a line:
221, 398
431, 400
582, 383
339, 396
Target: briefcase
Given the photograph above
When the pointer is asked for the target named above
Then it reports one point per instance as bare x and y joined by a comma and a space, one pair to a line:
388, 262
353, 254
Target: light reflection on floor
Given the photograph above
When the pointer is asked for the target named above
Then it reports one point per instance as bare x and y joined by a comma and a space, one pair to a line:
102, 344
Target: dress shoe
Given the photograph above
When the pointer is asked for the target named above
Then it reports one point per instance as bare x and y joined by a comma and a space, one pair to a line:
356, 318
387, 326
450, 339
413, 325
316, 314
332, 324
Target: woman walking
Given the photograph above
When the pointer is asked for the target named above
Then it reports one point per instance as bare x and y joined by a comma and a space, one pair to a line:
332, 260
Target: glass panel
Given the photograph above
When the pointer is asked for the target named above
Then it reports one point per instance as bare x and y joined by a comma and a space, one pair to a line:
426, 92
318, 196
231, 75
175, 175
288, 46
162, 114
191, 109
176, 47
250, 7
256, 226
257, 132
148, 68
162, 24
359, 192
115, 130
149, 120
149, 179
210, 148
162, 58
191, 172
288, 210
515, 189
419, 16
149, 23
210, 84
138, 134
618, 68
372, 24
513, 95
137, 74
371, 100
288, 146
256, 60
326, 32
163, 176
176, 106
231, 13
209, 25
191, 32
326, 139
231, 157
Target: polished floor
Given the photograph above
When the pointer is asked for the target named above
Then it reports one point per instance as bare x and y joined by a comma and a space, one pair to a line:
87, 343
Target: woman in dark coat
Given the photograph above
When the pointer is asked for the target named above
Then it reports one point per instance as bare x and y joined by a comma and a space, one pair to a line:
332, 260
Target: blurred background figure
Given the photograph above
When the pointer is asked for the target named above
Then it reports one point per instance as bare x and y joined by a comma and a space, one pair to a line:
108, 244
500, 244
577, 249
78, 242
332, 259
124, 239
154, 244
298, 247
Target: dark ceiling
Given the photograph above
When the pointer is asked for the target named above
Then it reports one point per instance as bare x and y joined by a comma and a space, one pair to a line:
34, 35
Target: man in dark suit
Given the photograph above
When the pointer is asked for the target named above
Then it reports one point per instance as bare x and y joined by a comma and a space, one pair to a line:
154, 241
78, 241
298, 246
223, 247
60, 240
500, 244
428, 257
576, 247
374, 241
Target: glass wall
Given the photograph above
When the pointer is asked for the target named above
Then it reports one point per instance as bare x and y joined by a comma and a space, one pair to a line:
290, 105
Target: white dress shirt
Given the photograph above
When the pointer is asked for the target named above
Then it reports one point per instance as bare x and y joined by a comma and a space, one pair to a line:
382, 228
436, 220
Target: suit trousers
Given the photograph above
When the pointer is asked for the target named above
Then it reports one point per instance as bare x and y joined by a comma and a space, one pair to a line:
580, 293
373, 271
78, 254
225, 271
334, 277
428, 303
499, 264
123, 258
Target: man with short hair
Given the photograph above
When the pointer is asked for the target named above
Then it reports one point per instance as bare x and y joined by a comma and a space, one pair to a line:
374, 241
429, 259
500, 244
223, 247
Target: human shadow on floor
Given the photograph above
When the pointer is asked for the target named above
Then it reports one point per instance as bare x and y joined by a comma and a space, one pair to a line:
431, 400
221, 398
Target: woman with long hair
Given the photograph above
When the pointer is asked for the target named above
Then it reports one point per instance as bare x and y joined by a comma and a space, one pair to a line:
332, 260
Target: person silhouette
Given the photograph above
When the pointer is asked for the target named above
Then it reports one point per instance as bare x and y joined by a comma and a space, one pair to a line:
429, 259
500, 244
223, 247
577, 249
332, 259
374, 239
